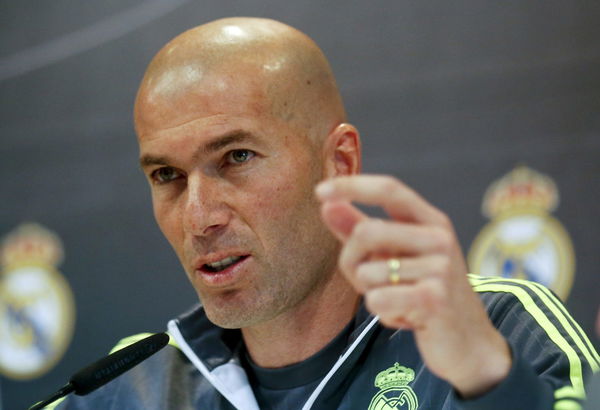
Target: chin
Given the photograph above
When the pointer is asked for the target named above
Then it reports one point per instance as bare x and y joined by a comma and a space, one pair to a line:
233, 319
230, 312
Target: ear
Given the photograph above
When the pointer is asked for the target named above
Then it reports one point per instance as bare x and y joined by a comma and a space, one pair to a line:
342, 153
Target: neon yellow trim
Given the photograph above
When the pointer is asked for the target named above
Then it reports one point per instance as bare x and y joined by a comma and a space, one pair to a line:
136, 338
574, 323
567, 405
576, 375
129, 340
567, 392
559, 312
476, 280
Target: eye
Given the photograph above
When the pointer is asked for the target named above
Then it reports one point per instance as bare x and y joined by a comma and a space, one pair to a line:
239, 156
164, 175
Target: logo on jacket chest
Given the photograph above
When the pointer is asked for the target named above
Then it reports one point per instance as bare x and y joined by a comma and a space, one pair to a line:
394, 393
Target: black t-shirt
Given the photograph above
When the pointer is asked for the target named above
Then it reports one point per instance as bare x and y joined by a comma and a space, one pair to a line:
284, 388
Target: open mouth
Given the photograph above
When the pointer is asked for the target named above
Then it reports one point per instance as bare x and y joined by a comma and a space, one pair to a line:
223, 264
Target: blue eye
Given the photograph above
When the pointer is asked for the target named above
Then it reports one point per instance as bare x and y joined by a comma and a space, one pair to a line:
165, 174
240, 156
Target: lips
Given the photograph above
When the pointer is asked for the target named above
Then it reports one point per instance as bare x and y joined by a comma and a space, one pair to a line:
221, 264
224, 270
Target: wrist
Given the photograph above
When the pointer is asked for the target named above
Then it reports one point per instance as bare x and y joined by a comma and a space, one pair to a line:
486, 366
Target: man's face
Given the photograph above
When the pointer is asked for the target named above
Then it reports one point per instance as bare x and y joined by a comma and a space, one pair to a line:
232, 190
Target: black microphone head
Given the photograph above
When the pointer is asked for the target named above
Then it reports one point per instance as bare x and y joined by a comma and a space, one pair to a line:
104, 370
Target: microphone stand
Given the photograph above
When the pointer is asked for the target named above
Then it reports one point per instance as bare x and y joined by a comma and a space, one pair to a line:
62, 392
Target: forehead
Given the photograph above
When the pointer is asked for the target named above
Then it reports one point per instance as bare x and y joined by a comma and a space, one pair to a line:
180, 96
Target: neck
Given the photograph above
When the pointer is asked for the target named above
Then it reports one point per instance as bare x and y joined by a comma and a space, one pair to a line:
299, 333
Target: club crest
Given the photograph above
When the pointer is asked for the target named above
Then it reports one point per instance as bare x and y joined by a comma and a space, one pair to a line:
36, 303
394, 393
523, 240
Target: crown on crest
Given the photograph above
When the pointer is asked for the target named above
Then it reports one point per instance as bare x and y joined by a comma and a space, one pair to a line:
31, 243
520, 188
394, 376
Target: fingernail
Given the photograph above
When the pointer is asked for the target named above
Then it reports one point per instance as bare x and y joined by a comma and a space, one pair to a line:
324, 189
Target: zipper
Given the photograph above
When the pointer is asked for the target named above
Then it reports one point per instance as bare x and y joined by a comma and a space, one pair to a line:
315, 394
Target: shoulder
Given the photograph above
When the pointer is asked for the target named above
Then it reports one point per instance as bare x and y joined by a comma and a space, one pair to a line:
531, 307
541, 331
501, 295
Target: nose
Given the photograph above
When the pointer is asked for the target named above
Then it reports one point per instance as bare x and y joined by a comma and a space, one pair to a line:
205, 211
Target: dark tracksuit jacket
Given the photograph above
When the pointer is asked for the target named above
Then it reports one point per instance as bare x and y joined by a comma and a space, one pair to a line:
374, 368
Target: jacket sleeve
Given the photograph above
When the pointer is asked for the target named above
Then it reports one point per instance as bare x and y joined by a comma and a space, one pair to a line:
552, 357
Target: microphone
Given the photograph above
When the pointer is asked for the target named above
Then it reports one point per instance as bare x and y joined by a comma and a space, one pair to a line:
104, 370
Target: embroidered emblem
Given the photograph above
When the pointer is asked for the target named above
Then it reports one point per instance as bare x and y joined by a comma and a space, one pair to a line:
36, 308
523, 241
394, 391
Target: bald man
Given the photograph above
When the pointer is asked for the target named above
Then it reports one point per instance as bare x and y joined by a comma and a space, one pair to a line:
305, 301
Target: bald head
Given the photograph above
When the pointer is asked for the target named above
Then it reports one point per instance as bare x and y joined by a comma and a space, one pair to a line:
280, 66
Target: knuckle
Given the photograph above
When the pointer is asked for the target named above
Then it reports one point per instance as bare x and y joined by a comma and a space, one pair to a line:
345, 267
365, 230
374, 302
345, 263
362, 230
444, 220
369, 302
432, 295
390, 321
363, 277
444, 240
389, 184
440, 266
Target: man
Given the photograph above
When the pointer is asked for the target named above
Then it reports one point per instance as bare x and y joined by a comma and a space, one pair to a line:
238, 122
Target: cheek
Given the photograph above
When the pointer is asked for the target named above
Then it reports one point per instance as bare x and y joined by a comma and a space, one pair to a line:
287, 202
166, 217
282, 196
277, 196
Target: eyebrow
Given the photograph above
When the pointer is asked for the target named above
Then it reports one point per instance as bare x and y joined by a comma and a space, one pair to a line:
225, 140
214, 145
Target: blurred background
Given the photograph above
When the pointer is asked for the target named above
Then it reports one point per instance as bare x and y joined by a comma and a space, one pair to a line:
448, 96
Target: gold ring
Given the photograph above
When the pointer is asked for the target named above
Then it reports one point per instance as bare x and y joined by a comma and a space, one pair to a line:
393, 270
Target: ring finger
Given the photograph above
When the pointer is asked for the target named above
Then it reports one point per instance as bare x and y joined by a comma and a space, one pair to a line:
376, 237
381, 272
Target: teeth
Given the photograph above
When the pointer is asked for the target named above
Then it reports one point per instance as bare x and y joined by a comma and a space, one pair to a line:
223, 263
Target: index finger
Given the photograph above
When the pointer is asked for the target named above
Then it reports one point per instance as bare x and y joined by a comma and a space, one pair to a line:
398, 200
